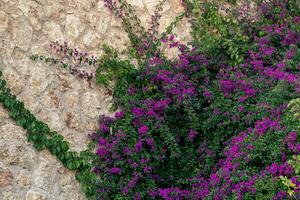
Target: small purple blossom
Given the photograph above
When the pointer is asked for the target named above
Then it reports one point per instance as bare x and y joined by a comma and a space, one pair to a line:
115, 170
119, 115
143, 130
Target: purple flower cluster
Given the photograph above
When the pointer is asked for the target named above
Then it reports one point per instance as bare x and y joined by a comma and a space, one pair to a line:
73, 53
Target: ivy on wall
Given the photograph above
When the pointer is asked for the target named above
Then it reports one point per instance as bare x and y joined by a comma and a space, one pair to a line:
39, 134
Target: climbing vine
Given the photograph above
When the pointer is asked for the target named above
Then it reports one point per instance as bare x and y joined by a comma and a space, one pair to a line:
39, 134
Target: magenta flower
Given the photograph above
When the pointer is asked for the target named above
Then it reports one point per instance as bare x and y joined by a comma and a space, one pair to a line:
143, 130
104, 128
119, 115
115, 170
138, 146
192, 135
101, 152
138, 112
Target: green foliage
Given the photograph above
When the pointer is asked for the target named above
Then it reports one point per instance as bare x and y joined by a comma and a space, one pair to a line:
266, 149
264, 190
295, 163
294, 107
217, 35
114, 73
290, 186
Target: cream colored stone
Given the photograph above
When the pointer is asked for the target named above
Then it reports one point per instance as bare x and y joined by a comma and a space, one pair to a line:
86, 5
182, 30
3, 22
51, 100
91, 39
91, 104
30, 102
21, 62
116, 39
6, 178
53, 10
16, 154
65, 176
98, 20
11, 131
39, 79
69, 194
137, 3
34, 195
171, 52
3, 113
71, 100
73, 26
14, 80
72, 120
53, 119
68, 82
10, 196
53, 30
22, 33
23, 178
33, 11
43, 175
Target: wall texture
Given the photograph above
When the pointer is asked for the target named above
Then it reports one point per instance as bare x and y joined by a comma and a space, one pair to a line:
67, 104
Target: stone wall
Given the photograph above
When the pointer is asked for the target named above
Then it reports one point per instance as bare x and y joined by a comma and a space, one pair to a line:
67, 104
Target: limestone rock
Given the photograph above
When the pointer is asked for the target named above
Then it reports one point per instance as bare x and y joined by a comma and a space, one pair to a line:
73, 26
6, 177
21, 62
3, 22
71, 100
3, 113
39, 79
83, 4
14, 80
69, 194
33, 11
10, 196
34, 195
53, 30
91, 104
53, 119
52, 100
23, 178
137, 3
17, 155
91, 39
22, 33
43, 175
11, 131
53, 10
72, 120
30, 102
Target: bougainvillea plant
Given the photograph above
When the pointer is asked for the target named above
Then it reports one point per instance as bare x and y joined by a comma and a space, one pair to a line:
191, 130
219, 121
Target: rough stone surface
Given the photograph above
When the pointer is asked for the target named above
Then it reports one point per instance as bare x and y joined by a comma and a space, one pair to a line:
5, 177
67, 104
33, 195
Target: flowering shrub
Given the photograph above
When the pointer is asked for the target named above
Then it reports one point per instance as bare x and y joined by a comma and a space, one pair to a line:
190, 130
